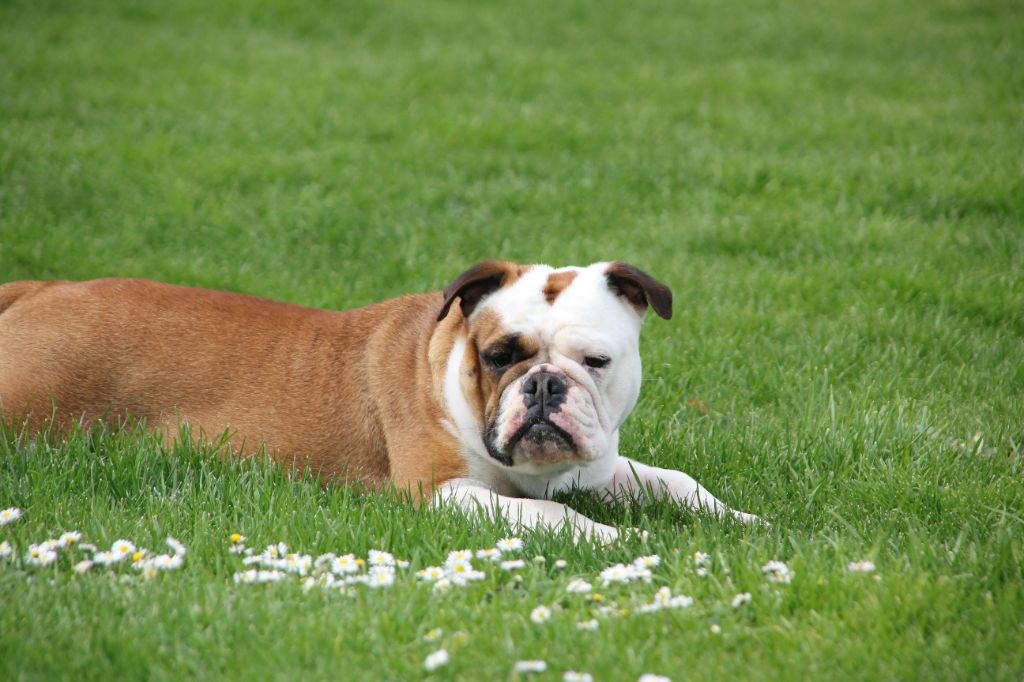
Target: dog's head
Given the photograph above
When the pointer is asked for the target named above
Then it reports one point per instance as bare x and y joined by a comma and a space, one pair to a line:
546, 365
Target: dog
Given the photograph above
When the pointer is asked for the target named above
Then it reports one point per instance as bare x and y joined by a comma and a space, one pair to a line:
505, 388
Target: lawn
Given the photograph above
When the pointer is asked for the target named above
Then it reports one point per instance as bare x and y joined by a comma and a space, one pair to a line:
833, 190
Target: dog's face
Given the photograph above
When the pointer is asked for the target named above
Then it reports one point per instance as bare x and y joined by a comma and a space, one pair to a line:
550, 362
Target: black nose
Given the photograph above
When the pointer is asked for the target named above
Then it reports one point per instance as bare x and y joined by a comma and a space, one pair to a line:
543, 393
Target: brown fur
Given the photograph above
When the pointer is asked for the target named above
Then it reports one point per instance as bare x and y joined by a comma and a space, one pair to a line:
556, 284
354, 394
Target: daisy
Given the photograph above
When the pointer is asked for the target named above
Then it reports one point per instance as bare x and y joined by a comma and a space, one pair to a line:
777, 572
702, 572
5, 549
716, 629
539, 559
345, 564
457, 566
381, 576
39, 556
69, 538
561, 563
107, 558
861, 566
647, 561
8, 515
509, 544
700, 558
378, 558
82, 566
578, 586
433, 635
573, 676
540, 614
591, 624
149, 572
459, 556
663, 596
512, 564
442, 585
530, 666
237, 538
402, 563
123, 547
166, 562
237, 549
466, 576
680, 602
436, 660
492, 554
430, 573
740, 599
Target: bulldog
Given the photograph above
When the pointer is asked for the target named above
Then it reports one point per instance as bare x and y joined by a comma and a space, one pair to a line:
507, 387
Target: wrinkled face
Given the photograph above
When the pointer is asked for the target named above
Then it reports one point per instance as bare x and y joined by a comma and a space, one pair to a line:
551, 368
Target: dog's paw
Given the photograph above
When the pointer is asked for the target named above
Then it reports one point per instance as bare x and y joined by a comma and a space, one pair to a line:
750, 519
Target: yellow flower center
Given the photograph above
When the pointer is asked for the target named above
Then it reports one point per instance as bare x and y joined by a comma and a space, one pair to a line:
236, 537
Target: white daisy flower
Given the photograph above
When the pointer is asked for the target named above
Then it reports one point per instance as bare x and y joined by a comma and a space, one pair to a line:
237, 538
700, 558
741, 599
5, 549
433, 635
378, 558
87, 547
69, 538
176, 546
107, 558
509, 544
455, 566
9, 515
381, 576
436, 660
123, 547
663, 596
647, 561
540, 614
442, 585
237, 549
702, 572
466, 576
40, 556
573, 676
777, 572
651, 677
459, 556
680, 602
492, 554
298, 563
167, 562
512, 564
561, 563
716, 629
530, 667
539, 559
578, 586
325, 560
430, 573
861, 566
82, 566
345, 564
591, 624
149, 572
402, 563
622, 573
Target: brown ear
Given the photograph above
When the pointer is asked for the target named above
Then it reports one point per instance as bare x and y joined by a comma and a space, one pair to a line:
479, 281
639, 288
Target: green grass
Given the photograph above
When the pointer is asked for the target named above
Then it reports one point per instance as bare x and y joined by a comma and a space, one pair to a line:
833, 190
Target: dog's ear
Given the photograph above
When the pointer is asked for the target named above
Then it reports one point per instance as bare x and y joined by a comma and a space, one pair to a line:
639, 288
474, 284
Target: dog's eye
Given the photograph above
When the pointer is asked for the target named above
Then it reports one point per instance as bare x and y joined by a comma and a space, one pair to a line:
596, 361
499, 359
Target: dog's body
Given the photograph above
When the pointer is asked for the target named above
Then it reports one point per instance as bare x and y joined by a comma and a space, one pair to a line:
515, 393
